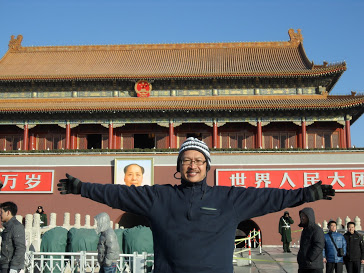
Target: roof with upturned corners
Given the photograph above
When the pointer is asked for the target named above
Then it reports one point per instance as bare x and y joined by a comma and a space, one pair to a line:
175, 104
163, 61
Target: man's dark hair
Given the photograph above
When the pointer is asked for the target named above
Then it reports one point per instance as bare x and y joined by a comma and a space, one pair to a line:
126, 167
350, 223
9, 206
331, 222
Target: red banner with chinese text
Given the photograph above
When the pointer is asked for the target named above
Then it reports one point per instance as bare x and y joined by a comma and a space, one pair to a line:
27, 181
341, 179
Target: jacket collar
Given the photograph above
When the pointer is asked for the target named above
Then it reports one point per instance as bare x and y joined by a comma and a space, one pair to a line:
187, 184
5, 225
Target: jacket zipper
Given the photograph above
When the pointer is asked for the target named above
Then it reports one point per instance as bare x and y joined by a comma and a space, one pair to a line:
191, 203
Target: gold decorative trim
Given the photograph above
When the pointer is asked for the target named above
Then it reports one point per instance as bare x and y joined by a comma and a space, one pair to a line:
163, 124
15, 44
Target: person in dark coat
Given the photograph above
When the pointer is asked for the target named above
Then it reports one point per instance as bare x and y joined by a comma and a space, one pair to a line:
312, 243
354, 257
194, 224
284, 229
43, 217
12, 254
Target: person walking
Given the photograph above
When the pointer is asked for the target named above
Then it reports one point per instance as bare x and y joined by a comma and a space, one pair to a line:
284, 228
194, 224
312, 243
13, 240
335, 249
354, 257
108, 247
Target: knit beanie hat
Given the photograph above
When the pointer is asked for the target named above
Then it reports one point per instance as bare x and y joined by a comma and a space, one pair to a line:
192, 143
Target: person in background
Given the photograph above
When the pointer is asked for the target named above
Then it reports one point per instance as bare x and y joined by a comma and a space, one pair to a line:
312, 243
13, 240
333, 242
284, 229
193, 223
108, 247
43, 217
354, 257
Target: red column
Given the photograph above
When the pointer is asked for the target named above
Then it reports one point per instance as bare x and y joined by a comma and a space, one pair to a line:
111, 136
342, 138
348, 136
68, 136
259, 135
25, 138
171, 135
73, 141
32, 142
214, 135
115, 138
304, 144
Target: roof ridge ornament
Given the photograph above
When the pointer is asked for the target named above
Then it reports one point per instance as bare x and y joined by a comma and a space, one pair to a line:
295, 38
15, 44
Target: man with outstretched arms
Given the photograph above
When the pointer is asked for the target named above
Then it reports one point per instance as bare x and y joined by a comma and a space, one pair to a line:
194, 224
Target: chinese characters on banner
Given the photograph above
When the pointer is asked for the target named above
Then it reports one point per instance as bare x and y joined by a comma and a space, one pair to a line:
340, 179
27, 181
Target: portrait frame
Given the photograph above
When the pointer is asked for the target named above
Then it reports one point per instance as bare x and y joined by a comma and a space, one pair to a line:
146, 163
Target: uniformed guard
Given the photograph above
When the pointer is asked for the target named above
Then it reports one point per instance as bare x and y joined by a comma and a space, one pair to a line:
285, 230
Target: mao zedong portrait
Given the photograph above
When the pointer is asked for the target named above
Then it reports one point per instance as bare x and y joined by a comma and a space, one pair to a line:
133, 175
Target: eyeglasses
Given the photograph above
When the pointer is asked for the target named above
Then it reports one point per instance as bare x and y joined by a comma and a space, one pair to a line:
197, 162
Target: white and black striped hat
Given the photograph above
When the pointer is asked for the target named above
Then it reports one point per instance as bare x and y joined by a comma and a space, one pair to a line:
192, 143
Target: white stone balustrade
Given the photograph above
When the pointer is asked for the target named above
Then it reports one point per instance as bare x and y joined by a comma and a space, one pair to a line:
33, 231
341, 225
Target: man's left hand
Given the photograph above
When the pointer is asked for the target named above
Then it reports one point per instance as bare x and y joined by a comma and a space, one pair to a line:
319, 191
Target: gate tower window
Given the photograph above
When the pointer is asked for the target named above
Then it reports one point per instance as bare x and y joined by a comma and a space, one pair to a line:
144, 141
94, 141
195, 135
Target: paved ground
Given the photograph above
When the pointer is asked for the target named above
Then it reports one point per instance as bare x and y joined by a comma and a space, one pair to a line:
272, 260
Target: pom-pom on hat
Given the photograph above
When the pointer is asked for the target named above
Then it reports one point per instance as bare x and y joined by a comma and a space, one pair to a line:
192, 143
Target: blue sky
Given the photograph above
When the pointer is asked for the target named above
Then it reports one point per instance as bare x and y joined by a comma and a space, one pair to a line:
333, 31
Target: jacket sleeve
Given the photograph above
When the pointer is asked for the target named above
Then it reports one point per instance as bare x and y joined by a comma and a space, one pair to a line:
18, 238
317, 245
253, 202
344, 244
361, 247
132, 199
112, 248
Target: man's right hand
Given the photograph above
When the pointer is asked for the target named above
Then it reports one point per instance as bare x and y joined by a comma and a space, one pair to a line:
69, 185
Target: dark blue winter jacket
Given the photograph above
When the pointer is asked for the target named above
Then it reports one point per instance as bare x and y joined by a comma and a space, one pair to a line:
194, 224
330, 252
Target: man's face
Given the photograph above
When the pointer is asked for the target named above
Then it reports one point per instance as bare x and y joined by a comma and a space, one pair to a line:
193, 172
5, 215
332, 227
303, 219
133, 176
351, 228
